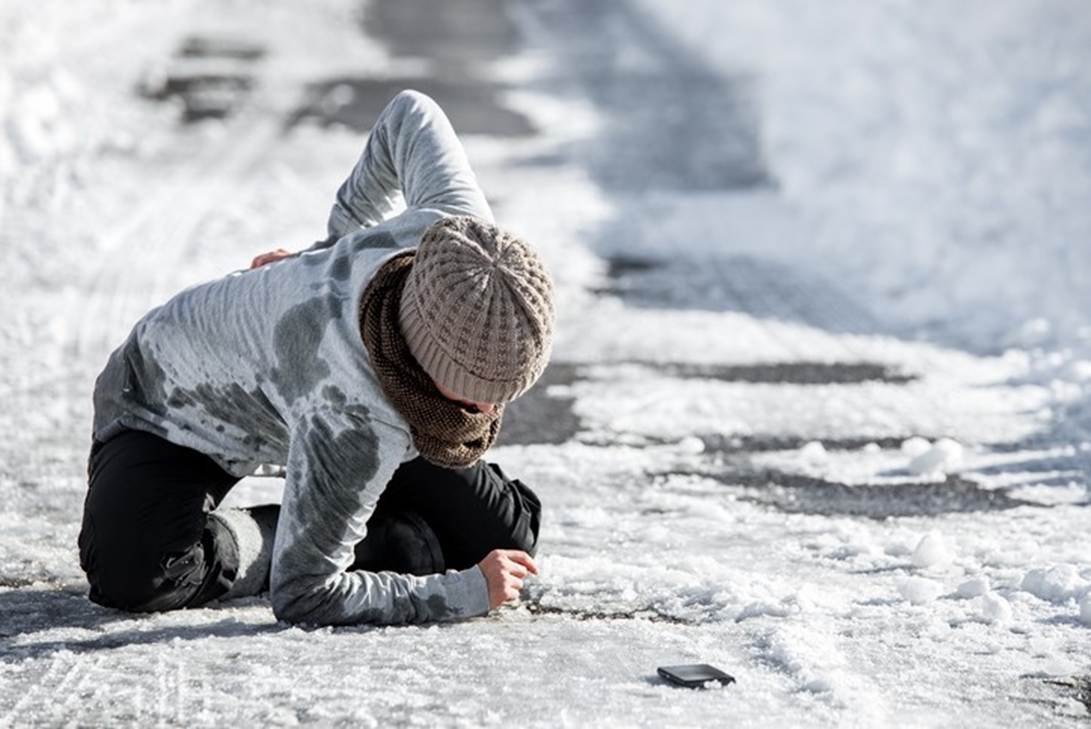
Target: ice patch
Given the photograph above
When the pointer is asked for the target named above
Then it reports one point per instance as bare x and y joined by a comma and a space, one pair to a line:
1085, 610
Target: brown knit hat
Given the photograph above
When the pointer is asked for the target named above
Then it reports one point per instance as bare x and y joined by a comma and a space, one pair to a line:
477, 310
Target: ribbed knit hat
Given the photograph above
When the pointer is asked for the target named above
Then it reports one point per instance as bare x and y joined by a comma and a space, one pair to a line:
477, 310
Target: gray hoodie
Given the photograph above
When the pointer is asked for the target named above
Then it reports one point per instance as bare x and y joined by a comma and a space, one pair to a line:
266, 366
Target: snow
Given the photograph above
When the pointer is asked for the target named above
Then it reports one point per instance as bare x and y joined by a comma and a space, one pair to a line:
932, 551
915, 446
813, 451
943, 456
920, 590
1058, 583
973, 587
994, 609
926, 216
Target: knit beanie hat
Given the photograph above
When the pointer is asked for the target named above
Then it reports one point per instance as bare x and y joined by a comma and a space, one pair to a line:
477, 310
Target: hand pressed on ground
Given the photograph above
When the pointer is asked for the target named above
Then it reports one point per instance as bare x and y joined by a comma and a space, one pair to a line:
504, 571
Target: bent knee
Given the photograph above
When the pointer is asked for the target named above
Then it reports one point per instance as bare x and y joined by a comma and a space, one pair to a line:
145, 583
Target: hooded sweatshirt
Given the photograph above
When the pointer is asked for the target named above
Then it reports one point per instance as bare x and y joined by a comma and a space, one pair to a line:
266, 366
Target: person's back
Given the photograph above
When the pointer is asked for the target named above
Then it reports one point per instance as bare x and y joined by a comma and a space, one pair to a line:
226, 367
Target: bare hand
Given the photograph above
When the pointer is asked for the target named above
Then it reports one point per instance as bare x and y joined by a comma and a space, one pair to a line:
504, 571
269, 257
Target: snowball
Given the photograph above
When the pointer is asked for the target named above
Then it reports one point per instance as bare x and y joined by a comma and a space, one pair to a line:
915, 446
932, 551
974, 587
944, 455
1056, 584
919, 590
813, 451
871, 447
994, 609
1085, 609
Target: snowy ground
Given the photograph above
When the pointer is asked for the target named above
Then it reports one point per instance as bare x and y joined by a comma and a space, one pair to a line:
820, 411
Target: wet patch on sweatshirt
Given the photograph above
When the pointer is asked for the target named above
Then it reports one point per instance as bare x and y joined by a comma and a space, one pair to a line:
329, 473
434, 608
148, 379
335, 396
352, 454
375, 241
248, 410
296, 339
341, 268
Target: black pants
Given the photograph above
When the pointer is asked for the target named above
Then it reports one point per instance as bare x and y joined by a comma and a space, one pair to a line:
147, 543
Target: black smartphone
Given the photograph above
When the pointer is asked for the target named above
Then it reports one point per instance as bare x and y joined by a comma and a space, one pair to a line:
694, 675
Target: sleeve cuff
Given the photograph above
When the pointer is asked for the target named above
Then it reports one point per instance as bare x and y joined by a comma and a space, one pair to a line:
468, 592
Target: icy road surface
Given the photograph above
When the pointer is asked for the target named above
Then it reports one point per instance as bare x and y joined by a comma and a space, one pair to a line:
820, 407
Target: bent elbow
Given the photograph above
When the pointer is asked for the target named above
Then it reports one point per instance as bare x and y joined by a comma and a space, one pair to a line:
413, 98
302, 602
290, 609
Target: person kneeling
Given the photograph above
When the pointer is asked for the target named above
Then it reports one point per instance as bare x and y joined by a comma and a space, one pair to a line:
375, 367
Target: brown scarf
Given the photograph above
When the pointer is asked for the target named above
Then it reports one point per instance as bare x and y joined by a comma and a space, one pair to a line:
444, 432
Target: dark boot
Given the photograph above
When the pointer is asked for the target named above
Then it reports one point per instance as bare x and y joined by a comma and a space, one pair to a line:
401, 542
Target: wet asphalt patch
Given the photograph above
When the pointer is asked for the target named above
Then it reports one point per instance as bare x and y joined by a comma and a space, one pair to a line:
795, 493
221, 47
209, 76
727, 445
538, 417
457, 38
355, 102
798, 494
535, 607
788, 373
669, 122
456, 33
543, 417
1077, 687
758, 287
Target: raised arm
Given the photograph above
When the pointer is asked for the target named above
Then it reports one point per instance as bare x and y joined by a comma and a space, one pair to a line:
414, 149
338, 465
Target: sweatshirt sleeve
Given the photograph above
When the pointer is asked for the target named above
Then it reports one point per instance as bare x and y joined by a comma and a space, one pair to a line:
413, 149
338, 465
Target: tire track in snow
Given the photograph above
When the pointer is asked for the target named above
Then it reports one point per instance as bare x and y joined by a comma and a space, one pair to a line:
46, 690
29, 693
166, 221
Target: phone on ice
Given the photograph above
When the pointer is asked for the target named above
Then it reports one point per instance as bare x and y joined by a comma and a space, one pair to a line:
694, 675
